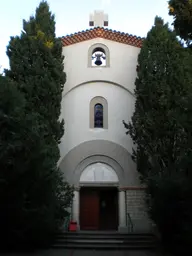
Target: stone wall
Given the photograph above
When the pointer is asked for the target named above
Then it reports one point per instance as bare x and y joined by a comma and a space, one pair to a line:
136, 207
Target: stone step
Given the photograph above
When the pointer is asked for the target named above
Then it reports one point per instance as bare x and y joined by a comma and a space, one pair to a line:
96, 242
80, 233
100, 240
106, 237
105, 246
95, 233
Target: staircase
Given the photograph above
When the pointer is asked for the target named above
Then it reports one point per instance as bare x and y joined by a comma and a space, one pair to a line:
105, 240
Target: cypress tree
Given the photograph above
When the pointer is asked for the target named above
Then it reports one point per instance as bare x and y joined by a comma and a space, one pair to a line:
161, 128
162, 94
36, 68
181, 10
36, 64
20, 150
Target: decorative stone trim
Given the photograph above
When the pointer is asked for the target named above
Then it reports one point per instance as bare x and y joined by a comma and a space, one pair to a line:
100, 185
132, 188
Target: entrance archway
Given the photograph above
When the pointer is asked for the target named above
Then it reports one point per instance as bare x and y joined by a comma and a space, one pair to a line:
98, 198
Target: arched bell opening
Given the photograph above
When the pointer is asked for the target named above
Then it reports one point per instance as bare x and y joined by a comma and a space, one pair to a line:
98, 57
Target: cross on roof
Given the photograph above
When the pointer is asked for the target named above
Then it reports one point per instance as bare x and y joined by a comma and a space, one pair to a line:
98, 19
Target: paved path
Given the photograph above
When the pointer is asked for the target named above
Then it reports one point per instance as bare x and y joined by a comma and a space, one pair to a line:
96, 253
63, 252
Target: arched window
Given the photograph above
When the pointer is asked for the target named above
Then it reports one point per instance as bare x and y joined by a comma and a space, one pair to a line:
98, 116
98, 113
98, 56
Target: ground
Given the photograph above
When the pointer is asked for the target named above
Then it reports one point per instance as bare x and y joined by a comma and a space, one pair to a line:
63, 252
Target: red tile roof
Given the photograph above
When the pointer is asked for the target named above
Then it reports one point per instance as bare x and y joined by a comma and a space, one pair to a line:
102, 33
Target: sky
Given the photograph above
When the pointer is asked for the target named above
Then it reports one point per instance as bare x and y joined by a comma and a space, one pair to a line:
130, 16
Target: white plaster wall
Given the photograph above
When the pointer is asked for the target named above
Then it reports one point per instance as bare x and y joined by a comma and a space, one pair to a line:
75, 111
122, 70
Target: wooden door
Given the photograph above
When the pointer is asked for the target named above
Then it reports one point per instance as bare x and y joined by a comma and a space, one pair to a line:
108, 210
89, 210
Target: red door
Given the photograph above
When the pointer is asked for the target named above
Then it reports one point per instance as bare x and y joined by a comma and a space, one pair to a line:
89, 210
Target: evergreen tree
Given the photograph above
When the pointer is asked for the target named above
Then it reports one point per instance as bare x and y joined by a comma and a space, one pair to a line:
162, 122
161, 97
36, 64
33, 195
19, 146
181, 10
36, 69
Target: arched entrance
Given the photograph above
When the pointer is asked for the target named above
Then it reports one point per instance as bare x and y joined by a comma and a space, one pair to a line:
98, 198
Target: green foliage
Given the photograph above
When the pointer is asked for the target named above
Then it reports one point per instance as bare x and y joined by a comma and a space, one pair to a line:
169, 200
181, 10
161, 124
163, 91
34, 195
43, 21
36, 64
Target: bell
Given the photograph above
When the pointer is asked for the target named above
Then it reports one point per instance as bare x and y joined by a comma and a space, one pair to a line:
98, 61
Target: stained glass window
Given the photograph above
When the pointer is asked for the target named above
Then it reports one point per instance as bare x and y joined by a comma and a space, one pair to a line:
98, 116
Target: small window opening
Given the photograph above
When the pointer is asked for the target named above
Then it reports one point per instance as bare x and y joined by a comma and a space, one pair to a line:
106, 23
98, 57
98, 116
91, 23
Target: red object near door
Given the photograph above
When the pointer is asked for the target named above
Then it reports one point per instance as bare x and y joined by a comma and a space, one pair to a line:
89, 210
73, 226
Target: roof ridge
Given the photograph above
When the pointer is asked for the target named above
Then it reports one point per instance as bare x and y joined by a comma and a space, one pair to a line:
105, 33
103, 28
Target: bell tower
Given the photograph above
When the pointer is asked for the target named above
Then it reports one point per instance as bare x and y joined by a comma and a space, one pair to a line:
98, 19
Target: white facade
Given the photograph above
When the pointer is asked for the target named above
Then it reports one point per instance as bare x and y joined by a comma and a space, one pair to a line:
122, 70
101, 157
77, 128
115, 83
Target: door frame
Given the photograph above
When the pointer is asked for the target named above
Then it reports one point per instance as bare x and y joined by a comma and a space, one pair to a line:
98, 188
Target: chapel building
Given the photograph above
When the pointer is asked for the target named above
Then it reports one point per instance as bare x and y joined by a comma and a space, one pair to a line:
100, 65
